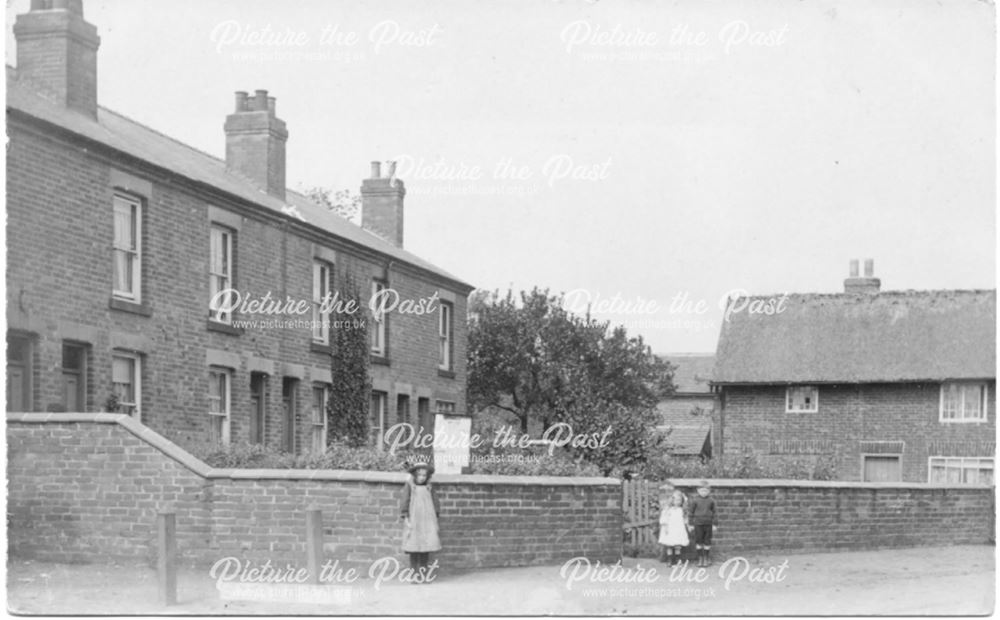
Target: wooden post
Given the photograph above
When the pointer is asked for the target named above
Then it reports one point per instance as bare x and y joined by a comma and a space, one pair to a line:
314, 541
166, 561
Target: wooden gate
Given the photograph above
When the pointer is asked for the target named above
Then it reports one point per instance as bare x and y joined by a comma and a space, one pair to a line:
640, 502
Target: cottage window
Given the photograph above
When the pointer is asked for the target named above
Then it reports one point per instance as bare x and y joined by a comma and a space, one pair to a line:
963, 402
960, 470
127, 248
319, 424
220, 274
218, 405
802, 399
126, 382
321, 288
444, 406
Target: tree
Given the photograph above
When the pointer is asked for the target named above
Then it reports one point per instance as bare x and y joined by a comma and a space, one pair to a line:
344, 202
530, 356
350, 390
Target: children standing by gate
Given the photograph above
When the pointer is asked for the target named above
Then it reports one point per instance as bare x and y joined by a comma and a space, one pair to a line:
703, 516
673, 528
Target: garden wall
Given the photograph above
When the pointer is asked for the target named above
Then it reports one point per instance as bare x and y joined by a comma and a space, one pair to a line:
804, 515
87, 487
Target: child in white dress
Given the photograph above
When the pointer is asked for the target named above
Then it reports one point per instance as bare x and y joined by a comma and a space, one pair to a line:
674, 527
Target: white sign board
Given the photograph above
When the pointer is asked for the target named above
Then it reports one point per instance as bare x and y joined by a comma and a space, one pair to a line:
452, 435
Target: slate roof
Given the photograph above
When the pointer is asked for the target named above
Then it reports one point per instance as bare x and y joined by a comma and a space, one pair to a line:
893, 336
693, 371
687, 431
122, 134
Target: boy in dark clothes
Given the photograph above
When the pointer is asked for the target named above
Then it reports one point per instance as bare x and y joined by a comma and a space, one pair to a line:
702, 513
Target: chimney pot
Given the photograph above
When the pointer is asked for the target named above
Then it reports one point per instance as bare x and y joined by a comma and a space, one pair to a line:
272, 105
260, 100
869, 267
854, 268
376, 170
241, 100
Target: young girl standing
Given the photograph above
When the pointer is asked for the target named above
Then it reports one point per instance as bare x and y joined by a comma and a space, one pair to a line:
419, 509
674, 527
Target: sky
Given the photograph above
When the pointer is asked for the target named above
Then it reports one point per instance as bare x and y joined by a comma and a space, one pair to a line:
664, 154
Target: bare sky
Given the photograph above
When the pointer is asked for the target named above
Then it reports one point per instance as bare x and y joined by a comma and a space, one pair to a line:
639, 149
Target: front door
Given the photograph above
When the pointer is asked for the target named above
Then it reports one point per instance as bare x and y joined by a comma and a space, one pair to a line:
257, 404
288, 389
882, 469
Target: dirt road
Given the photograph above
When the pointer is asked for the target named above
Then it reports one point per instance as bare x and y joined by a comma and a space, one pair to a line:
951, 580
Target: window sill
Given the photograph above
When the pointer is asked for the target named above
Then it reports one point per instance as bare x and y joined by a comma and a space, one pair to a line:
447, 374
963, 421
319, 347
380, 360
130, 306
223, 328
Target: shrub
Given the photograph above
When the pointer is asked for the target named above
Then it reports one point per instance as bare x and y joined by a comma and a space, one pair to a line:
338, 456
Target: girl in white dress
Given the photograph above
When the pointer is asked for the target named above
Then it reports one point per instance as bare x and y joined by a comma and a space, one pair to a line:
674, 527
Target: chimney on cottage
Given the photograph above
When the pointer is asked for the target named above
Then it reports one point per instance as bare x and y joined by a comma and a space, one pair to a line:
255, 142
382, 204
867, 284
57, 53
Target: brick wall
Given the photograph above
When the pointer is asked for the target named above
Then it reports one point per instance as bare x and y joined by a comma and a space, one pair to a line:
59, 281
754, 420
87, 487
803, 516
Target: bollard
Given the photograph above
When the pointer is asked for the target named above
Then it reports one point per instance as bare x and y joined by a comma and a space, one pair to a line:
314, 542
166, 561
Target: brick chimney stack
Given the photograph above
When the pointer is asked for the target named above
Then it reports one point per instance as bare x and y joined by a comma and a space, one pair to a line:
382, 204
868, 284
57, 53
255, 142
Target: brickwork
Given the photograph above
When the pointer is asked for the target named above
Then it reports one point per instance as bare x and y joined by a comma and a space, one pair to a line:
754, 420
85, 488
59, 281
801, 516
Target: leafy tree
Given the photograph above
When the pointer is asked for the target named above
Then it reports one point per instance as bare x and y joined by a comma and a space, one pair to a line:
344, 202
350, 391
530, 356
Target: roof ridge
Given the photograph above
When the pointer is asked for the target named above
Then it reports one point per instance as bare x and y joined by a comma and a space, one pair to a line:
893, 292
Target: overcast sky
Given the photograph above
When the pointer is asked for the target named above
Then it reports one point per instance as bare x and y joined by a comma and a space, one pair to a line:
663, 149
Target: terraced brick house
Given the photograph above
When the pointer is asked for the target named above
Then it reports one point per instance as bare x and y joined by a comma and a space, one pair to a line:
120, 240
890, 385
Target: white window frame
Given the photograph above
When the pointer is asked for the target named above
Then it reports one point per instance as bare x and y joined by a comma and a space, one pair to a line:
135, 360
963, 463
378, 431
962, 385
321, 288
444, 336
225, 434
132, 207
320, 426
220, 239
378, 343
788, 398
